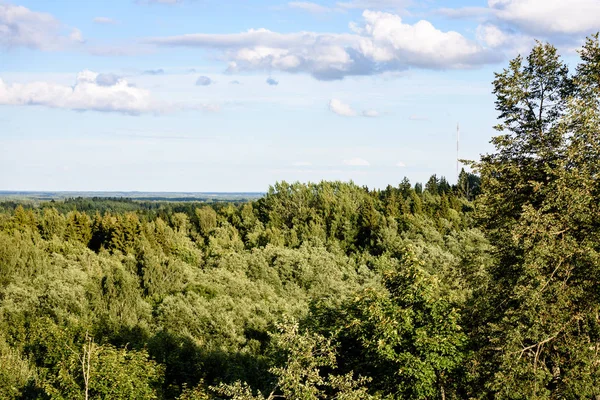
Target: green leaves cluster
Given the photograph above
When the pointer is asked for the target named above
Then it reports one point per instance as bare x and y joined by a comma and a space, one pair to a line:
540, 210
302, 359
192, 297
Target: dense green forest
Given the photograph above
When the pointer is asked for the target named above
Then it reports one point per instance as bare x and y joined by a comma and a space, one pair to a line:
489, 288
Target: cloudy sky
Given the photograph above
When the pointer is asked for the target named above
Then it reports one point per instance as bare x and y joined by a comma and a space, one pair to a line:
207, 95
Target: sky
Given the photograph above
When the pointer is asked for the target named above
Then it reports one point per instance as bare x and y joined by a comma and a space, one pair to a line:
235, 95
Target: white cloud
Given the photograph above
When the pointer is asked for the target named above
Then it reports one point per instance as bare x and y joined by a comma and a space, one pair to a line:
416, 117
357, 162
400, 164
370, 113
204, 81
507, 40
307, 6
492, 35
338, 107
421, 44
107, 79
92, 91
302, 164
547, 17
21, 27
511, 26
86, 94
463, 12
536, 17
383, 43
104, 21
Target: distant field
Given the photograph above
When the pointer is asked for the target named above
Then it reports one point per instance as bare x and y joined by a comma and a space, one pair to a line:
140, 196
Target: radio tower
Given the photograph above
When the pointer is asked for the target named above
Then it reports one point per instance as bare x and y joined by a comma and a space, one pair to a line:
457, 141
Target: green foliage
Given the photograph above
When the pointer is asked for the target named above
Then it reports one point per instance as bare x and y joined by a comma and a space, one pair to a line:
196, 393
405, 334
469, 184
299, 375
104, 372
486, 289
538, 337
193, 295
207, 220
124, 374
16, 372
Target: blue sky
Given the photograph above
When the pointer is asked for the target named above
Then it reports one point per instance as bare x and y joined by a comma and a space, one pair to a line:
203, 95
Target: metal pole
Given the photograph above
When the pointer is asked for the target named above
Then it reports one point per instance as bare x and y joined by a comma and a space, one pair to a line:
457, 141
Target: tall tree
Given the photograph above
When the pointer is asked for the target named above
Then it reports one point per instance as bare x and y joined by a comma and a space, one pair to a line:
540, 210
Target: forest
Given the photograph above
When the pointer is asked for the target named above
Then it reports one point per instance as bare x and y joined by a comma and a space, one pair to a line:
488, 288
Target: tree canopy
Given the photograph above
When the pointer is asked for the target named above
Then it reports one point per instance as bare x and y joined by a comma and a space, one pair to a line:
489, 288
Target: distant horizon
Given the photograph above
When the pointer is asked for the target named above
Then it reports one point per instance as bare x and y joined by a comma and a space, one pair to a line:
7, 195
4, 192
208, 192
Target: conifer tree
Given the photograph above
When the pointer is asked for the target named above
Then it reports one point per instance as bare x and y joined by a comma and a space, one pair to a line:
540, 210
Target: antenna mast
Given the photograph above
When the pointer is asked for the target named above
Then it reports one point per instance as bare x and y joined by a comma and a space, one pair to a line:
457, 141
